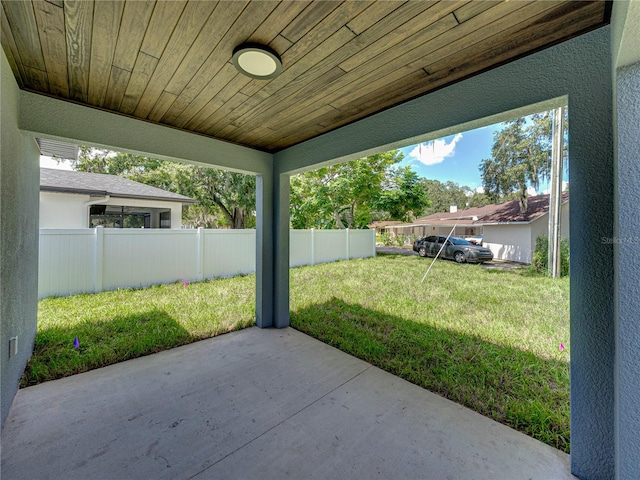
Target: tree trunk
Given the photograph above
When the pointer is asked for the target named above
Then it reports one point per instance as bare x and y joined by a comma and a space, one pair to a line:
238, 218
523, 199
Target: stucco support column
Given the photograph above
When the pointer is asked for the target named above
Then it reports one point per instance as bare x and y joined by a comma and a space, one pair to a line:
264, 250
19, 200
627, 245
592, 272
272, 250
281, 251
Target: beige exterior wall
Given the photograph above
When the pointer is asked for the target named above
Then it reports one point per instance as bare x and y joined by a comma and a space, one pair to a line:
509, 242
65, 210
516, 241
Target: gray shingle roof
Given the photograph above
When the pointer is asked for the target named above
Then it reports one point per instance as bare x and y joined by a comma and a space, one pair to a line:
66, 181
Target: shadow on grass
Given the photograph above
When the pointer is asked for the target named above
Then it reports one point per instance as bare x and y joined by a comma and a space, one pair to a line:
101, 343
512, 386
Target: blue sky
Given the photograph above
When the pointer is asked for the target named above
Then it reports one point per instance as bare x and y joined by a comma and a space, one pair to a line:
454, 158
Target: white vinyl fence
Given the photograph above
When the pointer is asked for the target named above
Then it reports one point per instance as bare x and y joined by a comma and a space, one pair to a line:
98, 259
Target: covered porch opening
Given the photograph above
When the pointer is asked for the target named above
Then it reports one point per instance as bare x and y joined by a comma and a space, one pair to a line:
593, 70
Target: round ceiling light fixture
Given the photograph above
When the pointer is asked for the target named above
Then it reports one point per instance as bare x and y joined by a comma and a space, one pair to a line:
257, 61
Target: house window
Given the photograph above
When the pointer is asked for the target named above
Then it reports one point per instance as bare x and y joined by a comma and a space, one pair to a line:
119, 217
165, 219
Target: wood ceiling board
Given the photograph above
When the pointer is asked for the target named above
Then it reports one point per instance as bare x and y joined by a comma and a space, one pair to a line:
139, 79
118, 81
11, 50
273, 124
106, 24
308, 19
404, 28
433, 37
188, 27
135, 20
225, 86
302, 98
279, 18
169, 62
317, 63
50, 20
295, 90
78, 26
373, 14
472, 9
204, 44
37, 79
163, 21
554, 22
304, 103
297, 76
24, 29
320, 32
244, 25
162, 105
216, 121
520, 46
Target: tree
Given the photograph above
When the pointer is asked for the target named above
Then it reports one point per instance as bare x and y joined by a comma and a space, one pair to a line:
340, 196
520, 157
224, 198
403, 195
443, 195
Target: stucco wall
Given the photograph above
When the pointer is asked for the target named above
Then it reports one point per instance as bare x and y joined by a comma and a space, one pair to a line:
627, 243
509, 242
63, 210
19, 185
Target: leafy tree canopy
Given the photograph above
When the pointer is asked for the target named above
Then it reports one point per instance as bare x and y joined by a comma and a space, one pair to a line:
520, 157
353, 194
444, 194
403, 196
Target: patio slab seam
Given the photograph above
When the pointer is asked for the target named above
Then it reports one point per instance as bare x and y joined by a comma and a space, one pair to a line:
281, 422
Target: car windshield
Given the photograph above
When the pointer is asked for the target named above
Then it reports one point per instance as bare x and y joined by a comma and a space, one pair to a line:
459, 241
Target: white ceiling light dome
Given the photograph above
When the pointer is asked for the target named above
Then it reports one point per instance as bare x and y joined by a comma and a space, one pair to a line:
257, 61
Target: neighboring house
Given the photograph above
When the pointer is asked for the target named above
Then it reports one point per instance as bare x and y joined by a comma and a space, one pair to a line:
71, 199
381, 226
509, 233
466, 223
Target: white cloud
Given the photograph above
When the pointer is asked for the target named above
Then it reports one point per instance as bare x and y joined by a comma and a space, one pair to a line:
48, 162
531, 192
436, 151
480, 190
565, 187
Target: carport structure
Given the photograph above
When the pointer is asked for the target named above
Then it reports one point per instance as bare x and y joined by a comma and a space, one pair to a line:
156, 78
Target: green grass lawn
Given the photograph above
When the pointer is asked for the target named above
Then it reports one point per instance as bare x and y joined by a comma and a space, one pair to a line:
115, 326
486, 339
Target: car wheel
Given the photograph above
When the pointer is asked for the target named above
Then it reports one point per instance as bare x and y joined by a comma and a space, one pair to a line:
422, 251
459, 257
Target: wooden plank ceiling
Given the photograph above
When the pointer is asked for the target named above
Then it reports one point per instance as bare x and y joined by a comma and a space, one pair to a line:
170, 61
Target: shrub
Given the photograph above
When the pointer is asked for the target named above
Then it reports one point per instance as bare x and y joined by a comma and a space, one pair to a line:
540, 256
399, 240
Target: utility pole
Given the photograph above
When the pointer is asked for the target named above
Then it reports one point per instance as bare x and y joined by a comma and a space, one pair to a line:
555, 193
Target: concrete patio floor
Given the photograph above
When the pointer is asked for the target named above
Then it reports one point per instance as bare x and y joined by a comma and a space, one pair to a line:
257, 404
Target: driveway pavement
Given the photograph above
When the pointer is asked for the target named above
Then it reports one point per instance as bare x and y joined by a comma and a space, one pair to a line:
257, 404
